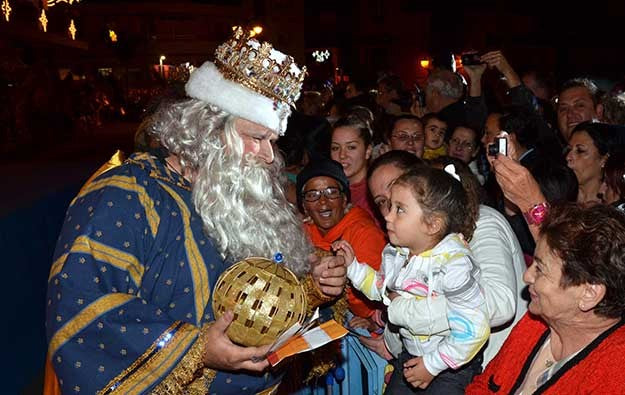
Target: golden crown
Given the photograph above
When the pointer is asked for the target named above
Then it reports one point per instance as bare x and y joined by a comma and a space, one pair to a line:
260, 68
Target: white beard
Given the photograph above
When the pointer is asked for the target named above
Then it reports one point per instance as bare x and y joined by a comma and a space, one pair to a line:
246, 213
241, 203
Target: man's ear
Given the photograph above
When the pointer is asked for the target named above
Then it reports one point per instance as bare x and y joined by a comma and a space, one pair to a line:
591, 296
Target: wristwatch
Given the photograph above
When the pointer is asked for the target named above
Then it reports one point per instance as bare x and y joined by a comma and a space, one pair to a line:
537, 214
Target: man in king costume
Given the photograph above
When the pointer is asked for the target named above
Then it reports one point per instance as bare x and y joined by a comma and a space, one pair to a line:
129, 292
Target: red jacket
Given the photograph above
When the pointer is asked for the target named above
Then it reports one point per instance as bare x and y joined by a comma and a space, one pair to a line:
597, 369
359, 230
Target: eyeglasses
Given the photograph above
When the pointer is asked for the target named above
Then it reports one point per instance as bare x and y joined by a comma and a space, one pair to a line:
464, 145
405, 137
313, 195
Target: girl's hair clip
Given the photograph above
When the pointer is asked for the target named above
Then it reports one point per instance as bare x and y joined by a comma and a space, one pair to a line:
451, 170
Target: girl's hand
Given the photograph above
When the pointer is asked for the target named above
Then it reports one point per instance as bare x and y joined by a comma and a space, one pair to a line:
366, 323
416, 373
344, 249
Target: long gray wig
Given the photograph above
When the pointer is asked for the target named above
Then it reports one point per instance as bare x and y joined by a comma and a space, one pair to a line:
241, 202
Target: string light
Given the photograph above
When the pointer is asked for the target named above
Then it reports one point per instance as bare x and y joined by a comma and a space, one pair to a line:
52, 3
6, 9
321, 56
113, 35
72, 30
43, 19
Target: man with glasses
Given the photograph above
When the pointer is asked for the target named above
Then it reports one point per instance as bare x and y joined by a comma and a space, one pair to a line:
408, 135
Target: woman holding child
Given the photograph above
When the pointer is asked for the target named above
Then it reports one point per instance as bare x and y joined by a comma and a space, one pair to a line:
427, 258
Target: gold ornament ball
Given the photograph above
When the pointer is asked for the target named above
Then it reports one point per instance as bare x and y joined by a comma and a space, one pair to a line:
265, 297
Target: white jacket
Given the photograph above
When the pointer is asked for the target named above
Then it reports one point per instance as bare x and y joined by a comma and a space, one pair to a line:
447, 270
499, 257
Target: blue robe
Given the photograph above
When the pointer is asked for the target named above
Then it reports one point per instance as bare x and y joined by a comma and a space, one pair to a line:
130, 286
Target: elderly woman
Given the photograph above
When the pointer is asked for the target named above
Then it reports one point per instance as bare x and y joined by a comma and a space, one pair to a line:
324, 196
573, 338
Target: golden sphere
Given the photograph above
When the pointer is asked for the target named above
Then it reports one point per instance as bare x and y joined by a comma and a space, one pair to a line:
265, 297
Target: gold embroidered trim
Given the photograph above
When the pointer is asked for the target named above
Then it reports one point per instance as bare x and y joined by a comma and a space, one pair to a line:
314, 295
116, 160
85, 317
199, 274
128, 184
103, 253
189, 376
153, 363
155, 172
269, 391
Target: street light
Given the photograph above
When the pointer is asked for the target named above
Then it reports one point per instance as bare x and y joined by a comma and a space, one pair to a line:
160, 63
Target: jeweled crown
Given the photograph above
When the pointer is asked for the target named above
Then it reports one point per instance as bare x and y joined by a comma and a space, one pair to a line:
260, 68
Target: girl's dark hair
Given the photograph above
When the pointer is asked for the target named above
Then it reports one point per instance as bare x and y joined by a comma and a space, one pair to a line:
356, 122
440, 195
469, 182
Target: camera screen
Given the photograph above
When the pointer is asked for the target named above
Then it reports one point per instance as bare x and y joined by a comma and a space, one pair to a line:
471, 59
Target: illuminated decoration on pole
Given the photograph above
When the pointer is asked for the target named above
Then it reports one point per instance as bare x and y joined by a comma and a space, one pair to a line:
160, 63
72, 29
43, 20
321, 56
6, 9
52, 3
113, 35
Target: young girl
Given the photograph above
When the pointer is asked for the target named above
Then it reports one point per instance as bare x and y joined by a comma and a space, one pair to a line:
427, 257
435, 130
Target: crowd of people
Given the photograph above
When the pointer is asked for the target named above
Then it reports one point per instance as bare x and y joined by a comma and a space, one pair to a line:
42, 105
480, 244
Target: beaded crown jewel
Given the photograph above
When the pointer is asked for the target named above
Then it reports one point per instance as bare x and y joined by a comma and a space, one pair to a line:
260, 68
249, 80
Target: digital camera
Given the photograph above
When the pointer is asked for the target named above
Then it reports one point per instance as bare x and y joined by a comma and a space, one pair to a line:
471, 59
499, 147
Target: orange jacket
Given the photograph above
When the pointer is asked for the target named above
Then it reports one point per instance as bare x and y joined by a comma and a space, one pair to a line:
359, 230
